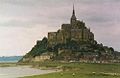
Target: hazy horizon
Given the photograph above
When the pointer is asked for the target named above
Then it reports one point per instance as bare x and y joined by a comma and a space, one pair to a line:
23, 22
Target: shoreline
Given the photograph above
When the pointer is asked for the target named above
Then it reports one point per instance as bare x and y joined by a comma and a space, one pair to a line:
7, 64
20, 71
83, 70
48, 70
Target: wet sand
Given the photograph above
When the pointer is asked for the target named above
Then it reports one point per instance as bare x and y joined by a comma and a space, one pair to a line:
21, 71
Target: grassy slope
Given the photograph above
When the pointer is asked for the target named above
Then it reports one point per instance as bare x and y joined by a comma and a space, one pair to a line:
83, 70
7, 64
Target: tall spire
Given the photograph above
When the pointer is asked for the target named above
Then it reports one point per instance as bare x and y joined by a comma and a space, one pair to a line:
73, 17
73, 14
73, 10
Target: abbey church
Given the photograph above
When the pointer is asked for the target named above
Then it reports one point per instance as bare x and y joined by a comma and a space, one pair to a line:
76, 31
74, 41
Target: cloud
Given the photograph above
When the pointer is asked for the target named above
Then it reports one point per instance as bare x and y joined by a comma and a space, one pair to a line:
23, 22
19, 40
96, 2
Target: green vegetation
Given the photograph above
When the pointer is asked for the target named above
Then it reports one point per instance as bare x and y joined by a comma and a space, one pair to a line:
81, 70
38, 49
76, 49
79, 48
8, 64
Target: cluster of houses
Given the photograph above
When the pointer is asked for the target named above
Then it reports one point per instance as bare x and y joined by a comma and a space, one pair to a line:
68, 56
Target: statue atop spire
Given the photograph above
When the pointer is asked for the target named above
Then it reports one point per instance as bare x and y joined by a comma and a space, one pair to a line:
73, 17
73, 10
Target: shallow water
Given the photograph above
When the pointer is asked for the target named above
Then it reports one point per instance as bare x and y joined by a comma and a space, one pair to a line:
21, 71
11, 59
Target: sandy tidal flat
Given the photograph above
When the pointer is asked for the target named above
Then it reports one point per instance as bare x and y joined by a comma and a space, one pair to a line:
21, 71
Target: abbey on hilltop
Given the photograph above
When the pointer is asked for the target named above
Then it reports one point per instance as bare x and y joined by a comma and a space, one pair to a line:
73, 42
76, 31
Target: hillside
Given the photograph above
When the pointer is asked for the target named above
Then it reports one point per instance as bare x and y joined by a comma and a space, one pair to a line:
73, 42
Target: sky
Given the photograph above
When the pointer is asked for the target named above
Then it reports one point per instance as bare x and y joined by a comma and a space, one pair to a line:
23, 22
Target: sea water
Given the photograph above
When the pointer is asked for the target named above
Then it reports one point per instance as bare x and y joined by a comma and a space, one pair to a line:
11, 59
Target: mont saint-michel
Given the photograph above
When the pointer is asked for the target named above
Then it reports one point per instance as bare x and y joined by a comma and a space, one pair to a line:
73, 42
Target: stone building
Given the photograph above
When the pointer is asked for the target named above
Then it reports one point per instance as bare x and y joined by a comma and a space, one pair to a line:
43, 57
76, 31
